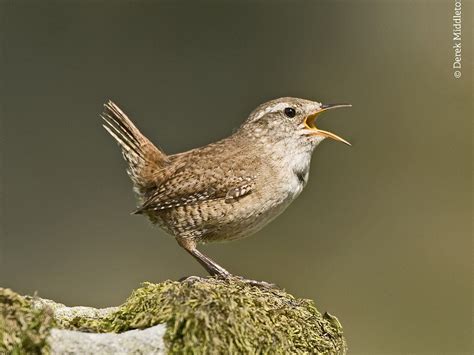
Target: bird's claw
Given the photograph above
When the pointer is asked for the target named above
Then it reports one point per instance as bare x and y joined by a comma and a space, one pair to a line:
262, 284
227, 277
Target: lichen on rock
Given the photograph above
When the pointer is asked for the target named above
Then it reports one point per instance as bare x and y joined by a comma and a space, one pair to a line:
23, 329
209, 315
220, 316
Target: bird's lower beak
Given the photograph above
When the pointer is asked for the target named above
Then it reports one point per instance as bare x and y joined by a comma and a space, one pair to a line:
310, 123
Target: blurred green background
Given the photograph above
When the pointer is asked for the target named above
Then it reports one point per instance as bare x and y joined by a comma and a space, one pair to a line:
381, 236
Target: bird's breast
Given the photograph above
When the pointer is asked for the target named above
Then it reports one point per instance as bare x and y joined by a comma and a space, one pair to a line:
281, 187
295, 173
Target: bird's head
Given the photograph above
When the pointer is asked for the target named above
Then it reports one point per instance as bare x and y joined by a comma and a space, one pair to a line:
290, 118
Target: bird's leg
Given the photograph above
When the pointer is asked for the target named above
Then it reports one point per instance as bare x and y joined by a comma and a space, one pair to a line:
211, 266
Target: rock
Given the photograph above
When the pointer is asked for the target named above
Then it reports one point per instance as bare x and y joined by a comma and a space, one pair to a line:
198, 315
147, 341
66, 316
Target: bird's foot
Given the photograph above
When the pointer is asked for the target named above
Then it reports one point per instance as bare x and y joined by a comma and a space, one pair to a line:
227, 277
261, 284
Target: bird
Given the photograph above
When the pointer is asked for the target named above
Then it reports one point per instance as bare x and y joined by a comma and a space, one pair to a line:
228, 189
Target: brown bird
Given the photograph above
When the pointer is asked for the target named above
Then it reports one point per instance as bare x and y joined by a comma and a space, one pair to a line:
228, 189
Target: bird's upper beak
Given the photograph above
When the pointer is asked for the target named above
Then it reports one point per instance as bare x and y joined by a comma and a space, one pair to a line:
310, 122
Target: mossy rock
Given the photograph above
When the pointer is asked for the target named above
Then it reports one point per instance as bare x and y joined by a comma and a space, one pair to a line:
23, 329
212, 316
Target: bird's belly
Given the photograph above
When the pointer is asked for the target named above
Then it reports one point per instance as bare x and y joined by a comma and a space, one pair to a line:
218, 220
265, 207
253, 220
222, 221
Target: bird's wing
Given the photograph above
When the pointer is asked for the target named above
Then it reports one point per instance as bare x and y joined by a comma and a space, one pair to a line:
189, 184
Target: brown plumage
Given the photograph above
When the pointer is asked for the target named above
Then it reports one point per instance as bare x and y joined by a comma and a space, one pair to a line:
146, 163
228, 189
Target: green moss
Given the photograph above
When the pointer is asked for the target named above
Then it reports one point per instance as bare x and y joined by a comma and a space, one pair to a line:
216, 316
23, 329
202, 316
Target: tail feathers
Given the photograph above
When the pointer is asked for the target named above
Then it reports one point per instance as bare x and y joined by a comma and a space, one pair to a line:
145, 160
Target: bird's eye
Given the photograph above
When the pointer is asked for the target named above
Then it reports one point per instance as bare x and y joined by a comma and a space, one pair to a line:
290, 112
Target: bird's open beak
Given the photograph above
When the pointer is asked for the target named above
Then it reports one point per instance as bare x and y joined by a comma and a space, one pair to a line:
310, 122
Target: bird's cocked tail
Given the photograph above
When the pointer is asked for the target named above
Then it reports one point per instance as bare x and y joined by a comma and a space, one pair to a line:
145, 161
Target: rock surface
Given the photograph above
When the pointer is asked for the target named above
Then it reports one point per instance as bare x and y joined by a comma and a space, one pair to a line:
65, 316
147, 341
198, 315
